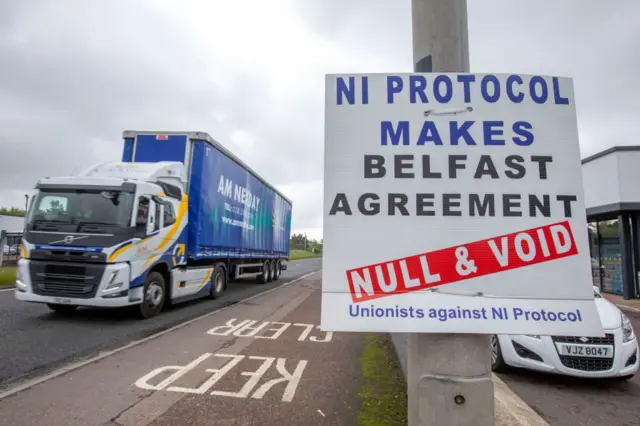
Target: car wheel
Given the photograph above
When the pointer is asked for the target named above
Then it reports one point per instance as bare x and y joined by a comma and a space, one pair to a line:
62, 309
153, 298
497, 361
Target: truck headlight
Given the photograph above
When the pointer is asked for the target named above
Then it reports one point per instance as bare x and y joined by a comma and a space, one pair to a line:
20, 285
627, 329
113, 283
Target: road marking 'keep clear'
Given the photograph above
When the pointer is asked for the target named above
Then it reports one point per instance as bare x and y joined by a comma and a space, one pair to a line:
245, 328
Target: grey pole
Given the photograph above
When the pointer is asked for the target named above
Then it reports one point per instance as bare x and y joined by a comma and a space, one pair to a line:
449, 375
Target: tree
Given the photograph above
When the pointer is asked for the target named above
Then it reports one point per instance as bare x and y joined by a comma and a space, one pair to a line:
55, 207
11, 211
301, 242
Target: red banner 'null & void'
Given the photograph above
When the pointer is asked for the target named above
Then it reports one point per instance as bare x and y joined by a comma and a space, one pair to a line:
452, 264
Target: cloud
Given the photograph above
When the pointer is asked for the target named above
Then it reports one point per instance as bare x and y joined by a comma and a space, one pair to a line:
251, 74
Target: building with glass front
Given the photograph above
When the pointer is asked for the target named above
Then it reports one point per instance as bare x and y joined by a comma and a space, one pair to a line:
612, 199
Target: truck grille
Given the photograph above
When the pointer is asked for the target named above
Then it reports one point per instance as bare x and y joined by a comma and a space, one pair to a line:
65, 279
587, 363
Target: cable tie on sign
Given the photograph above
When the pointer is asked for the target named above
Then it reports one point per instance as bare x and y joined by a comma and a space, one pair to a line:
448, 111
467, 293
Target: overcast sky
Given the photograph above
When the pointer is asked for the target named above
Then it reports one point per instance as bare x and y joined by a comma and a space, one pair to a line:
75, 73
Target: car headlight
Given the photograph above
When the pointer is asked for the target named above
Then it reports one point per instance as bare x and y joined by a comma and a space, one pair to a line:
627, 329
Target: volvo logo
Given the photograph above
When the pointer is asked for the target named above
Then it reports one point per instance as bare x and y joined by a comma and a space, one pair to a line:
70, 239
584, 339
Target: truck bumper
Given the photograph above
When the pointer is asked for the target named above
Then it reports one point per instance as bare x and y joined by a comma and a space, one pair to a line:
112, 291
99, 302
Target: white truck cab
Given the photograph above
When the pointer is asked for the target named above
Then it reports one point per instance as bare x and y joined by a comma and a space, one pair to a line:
90, 239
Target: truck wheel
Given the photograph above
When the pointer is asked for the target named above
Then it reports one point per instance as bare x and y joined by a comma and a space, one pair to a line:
272, 270
62, 309
153, 295
218, 282
278, 271
264, 275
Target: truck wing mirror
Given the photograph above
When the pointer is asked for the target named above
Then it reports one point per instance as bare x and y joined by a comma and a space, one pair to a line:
151, 217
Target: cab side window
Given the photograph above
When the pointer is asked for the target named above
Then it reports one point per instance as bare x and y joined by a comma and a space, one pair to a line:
169, 215
143, 212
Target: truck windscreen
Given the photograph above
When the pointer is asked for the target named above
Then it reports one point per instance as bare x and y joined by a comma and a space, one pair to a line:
74, 210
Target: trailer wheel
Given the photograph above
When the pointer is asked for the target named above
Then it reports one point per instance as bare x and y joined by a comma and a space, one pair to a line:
153, 296
272, 270
278, 271
61, 309
264, 275
218, 282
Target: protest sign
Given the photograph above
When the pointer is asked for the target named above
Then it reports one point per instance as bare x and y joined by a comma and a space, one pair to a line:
454, 203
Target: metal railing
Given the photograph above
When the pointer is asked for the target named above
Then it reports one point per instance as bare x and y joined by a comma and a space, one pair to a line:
10, 244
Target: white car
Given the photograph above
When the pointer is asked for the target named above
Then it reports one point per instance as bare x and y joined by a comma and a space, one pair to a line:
613, 356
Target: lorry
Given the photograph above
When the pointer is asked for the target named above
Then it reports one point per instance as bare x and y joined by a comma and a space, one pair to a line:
176, 219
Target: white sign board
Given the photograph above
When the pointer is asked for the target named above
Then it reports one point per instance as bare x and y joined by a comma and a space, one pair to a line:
454, 203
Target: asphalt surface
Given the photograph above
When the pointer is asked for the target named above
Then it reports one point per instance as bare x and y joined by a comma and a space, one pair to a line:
568, 401
326, 394
35, 340
261, 362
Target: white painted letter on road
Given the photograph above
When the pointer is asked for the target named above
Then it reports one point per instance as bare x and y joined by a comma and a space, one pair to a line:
292, 380
143, 382
248, 328
230, 327
218, 373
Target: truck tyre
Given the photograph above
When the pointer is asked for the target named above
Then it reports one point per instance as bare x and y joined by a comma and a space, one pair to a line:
62, 309
153, 295
264, 275
272, 270
278, 271
218, 282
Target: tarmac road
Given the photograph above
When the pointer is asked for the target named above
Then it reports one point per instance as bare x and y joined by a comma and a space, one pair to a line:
34, 340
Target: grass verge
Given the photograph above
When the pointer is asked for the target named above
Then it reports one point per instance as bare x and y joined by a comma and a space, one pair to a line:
302, 254
383, 397
7, 276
